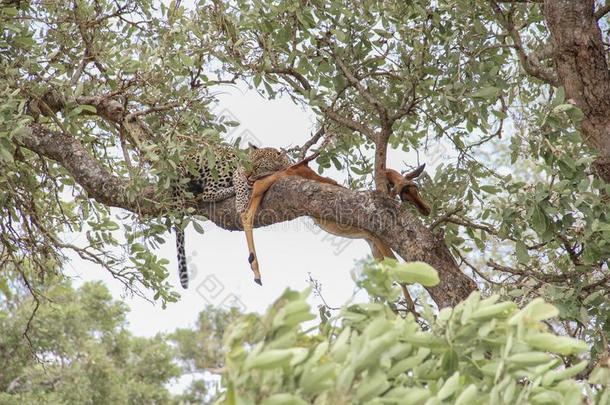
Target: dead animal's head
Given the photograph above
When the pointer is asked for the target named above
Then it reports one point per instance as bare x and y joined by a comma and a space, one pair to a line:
407, 189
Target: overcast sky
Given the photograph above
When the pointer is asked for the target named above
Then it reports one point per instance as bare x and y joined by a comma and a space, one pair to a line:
287, 252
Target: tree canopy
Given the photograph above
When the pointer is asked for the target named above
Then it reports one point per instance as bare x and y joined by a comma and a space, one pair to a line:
485, 350
102, 100
79, 351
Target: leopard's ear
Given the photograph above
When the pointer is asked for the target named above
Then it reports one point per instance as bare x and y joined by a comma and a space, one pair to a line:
251, 146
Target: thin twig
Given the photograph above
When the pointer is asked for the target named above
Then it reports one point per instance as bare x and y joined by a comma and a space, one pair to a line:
312, 141
445, 217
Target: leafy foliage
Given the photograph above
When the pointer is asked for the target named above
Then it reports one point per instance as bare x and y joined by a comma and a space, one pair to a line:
200, 350
481, 351
79, 351
60, 65
514, 196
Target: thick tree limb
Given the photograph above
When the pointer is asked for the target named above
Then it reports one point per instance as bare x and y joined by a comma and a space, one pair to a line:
99, 183
291, 198
288, 199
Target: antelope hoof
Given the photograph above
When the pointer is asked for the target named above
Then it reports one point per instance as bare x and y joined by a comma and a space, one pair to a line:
254, 266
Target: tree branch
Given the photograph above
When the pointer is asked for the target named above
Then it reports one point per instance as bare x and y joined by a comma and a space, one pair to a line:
351, 124
364, 92
291, 72
303, 89
382, 138
530, 63
151, 110
99, 183
288, 199
385, 218
602, 11
547, 278
312, 141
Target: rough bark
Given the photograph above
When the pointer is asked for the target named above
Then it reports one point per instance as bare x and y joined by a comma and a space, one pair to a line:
97, 181
288, 199
582, 68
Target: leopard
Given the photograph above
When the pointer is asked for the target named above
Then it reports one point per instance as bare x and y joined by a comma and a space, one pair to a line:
230, 177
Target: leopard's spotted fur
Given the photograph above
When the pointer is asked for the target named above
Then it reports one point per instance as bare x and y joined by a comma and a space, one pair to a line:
229, 178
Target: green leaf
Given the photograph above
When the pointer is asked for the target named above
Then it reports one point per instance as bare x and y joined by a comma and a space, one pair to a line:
283, 399
90, 108
556, 344
490, 92
499, 310
198, 227
449, 387
535, 311
540, 221
528, 359
467, 396
415, 272
522, 253
269, 359
490, 189
563, 107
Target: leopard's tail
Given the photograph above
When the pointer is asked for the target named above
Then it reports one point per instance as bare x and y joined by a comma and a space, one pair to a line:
182, 269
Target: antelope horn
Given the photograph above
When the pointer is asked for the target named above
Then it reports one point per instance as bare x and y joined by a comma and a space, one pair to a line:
415, 173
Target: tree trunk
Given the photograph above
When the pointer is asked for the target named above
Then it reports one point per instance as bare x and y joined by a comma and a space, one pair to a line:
580, 62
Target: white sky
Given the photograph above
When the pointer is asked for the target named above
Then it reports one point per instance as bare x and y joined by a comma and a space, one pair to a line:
287, 252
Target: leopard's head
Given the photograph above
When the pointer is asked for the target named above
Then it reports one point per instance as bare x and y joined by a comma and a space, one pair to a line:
267, 160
